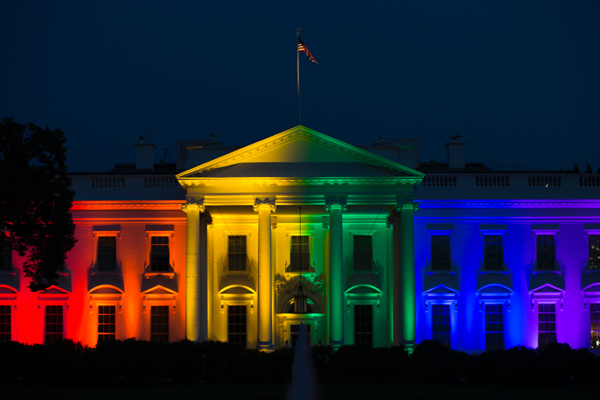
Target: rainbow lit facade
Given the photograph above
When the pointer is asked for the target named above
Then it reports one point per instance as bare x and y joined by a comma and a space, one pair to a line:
387, 250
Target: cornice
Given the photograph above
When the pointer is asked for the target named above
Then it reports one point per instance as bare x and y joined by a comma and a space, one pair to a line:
165, 205
510, 204
399, 181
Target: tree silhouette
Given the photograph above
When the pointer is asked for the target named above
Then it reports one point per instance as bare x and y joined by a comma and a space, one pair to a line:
35, 199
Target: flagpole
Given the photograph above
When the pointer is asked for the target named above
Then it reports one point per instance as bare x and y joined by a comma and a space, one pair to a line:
298, 71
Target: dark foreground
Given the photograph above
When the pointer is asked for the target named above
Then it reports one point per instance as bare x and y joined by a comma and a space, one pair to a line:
330, 391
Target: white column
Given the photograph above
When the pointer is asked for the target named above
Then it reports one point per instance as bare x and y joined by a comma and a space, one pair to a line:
192, 208
336, 274
203, 278
265, 289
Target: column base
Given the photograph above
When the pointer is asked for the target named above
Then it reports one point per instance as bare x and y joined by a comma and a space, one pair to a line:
410, 347
265, 347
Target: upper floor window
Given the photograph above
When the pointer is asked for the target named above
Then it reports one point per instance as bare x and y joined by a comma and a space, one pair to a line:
159, 254
300, 253
594, 252
440, 252
237, 253
107, 253
5, 258
363, 253
546, 252
493, 256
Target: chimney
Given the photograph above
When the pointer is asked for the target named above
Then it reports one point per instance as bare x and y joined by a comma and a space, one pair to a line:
456, 152
144, 154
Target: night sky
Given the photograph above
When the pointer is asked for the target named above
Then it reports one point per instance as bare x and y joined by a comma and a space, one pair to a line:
520, 80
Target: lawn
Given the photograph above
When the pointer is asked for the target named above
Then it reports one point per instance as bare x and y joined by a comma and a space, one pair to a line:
345, 391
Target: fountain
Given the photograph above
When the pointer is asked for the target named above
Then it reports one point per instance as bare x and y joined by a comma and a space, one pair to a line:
303, 374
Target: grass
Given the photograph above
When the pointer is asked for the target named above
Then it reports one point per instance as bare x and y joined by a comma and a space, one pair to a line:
345, 391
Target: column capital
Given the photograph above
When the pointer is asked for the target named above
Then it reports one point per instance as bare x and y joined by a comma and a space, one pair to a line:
332, 203
193, 204
264, 204
407, 206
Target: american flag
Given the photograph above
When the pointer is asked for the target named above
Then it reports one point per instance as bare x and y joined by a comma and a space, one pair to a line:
302, 47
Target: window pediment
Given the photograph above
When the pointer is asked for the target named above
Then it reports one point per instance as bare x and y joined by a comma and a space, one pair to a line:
548, 288
236, 289
494, 279
242, 282
494, 289
106, 289
442, 290
6, 289
551, 279
363, 289
591, 288
54, 290
101, 280
165, 282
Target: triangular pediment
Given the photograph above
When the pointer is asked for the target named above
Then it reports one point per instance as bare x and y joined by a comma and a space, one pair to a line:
441, 290
159, 290
54, 290
296, 153
161, 282
547, 288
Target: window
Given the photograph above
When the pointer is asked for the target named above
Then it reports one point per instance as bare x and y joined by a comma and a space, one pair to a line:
107, 253
493, 257
441, 323
5, 258
595, 325
106, 323
236, 325
295, 334
546, 324
594, 253
440, 252
159, 254
5, 324
300, 253
363, 253
494, 327
54, 324
237, 253
159, 323
363, 325
546, 252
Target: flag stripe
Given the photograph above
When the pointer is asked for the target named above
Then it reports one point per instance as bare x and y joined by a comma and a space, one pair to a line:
303, 48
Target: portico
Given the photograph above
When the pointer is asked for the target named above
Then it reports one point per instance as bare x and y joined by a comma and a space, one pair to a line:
253, 196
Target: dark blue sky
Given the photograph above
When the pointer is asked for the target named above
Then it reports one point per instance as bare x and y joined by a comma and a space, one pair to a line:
520, 80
